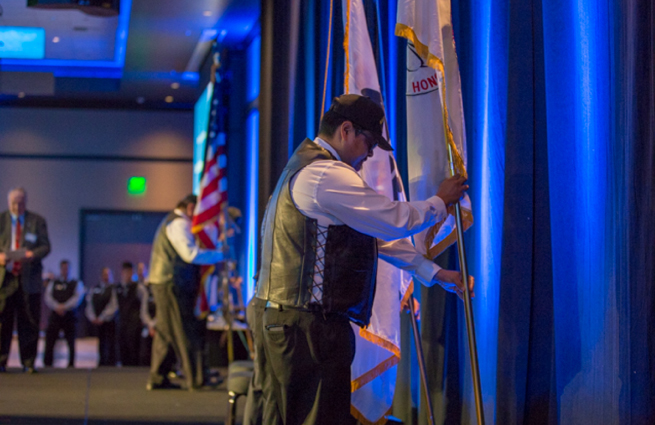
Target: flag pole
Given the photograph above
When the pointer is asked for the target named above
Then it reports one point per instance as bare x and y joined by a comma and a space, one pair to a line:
421, 360
468, 307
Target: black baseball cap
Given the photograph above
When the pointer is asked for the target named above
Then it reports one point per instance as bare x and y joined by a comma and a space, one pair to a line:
363, 113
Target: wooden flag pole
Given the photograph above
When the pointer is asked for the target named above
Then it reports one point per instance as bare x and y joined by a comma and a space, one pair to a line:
421, 360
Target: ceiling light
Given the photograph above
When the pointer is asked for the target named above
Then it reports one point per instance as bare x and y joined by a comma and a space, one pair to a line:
207, 13
175, 86
140, 100
55, 40
169, 99
21, 95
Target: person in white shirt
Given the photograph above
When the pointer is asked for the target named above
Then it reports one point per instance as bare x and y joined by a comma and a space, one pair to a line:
323, 232
63, 296
101, 308
174, 279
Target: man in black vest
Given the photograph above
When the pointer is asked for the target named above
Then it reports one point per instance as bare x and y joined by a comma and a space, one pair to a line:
324, 230
129, 319
63, 296
174, 279
23, 244
101, 307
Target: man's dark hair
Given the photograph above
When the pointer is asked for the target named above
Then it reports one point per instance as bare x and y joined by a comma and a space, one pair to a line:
64, 261
127, 265
189, 199
330, 122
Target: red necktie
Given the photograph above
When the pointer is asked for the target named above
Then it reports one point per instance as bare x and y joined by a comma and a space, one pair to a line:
17, 264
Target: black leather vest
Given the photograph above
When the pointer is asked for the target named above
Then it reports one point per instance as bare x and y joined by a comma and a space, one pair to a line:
165, 263
289, 253
63, 291
100, 298
129, 305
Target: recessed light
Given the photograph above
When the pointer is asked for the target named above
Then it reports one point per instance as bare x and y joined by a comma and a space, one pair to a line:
169, 99
55, 40
175, 86
21, 95
207, 13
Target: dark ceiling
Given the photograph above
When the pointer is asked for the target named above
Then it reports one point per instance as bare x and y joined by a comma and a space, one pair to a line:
166, 55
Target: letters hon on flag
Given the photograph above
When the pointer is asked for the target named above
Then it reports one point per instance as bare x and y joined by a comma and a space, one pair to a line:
435, 116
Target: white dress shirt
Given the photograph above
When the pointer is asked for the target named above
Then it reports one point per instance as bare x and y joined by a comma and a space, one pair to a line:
332, 193
179, 234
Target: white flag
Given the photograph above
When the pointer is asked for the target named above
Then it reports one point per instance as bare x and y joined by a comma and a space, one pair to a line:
378, 346
434, 97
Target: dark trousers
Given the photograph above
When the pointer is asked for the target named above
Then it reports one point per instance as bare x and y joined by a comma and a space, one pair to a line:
129, 339
254, 411
25, 309
308, 357
58, 323
145, 350
107, 343
179, 329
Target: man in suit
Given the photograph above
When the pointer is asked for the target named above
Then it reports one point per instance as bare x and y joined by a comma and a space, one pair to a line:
23, 244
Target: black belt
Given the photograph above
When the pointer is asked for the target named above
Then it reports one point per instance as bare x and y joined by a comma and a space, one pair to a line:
311, 308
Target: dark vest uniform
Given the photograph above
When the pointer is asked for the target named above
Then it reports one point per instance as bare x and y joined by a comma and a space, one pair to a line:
165, 263
100, 298
129, 304
129, 323
289, 253
62, 291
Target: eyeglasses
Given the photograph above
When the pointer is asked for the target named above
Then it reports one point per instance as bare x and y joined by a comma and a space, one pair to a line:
371, 143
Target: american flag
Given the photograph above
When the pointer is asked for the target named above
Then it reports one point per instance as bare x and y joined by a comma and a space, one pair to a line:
212, 200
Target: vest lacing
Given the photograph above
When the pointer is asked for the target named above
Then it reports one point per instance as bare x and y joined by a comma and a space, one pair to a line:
316, 288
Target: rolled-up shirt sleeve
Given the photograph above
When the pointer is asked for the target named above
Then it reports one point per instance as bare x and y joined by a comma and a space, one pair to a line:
179, 234
48, 298
342, 193
402, 254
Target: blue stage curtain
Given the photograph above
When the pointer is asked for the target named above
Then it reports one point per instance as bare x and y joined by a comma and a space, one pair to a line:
559, 97
559, 101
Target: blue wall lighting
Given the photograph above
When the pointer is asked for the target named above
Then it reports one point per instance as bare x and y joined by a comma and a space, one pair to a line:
22, 43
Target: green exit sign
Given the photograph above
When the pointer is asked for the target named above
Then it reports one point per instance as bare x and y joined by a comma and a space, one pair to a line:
136, 186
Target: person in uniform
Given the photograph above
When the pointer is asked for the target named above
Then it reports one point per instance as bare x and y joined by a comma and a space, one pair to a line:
324, 230
101, 308
63, 296
174, 278
129, 316
146, 314
23, 244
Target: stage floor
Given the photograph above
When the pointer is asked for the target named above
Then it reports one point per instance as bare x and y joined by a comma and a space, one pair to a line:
89, 395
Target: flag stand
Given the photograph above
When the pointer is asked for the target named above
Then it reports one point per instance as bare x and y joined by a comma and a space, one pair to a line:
421, 360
